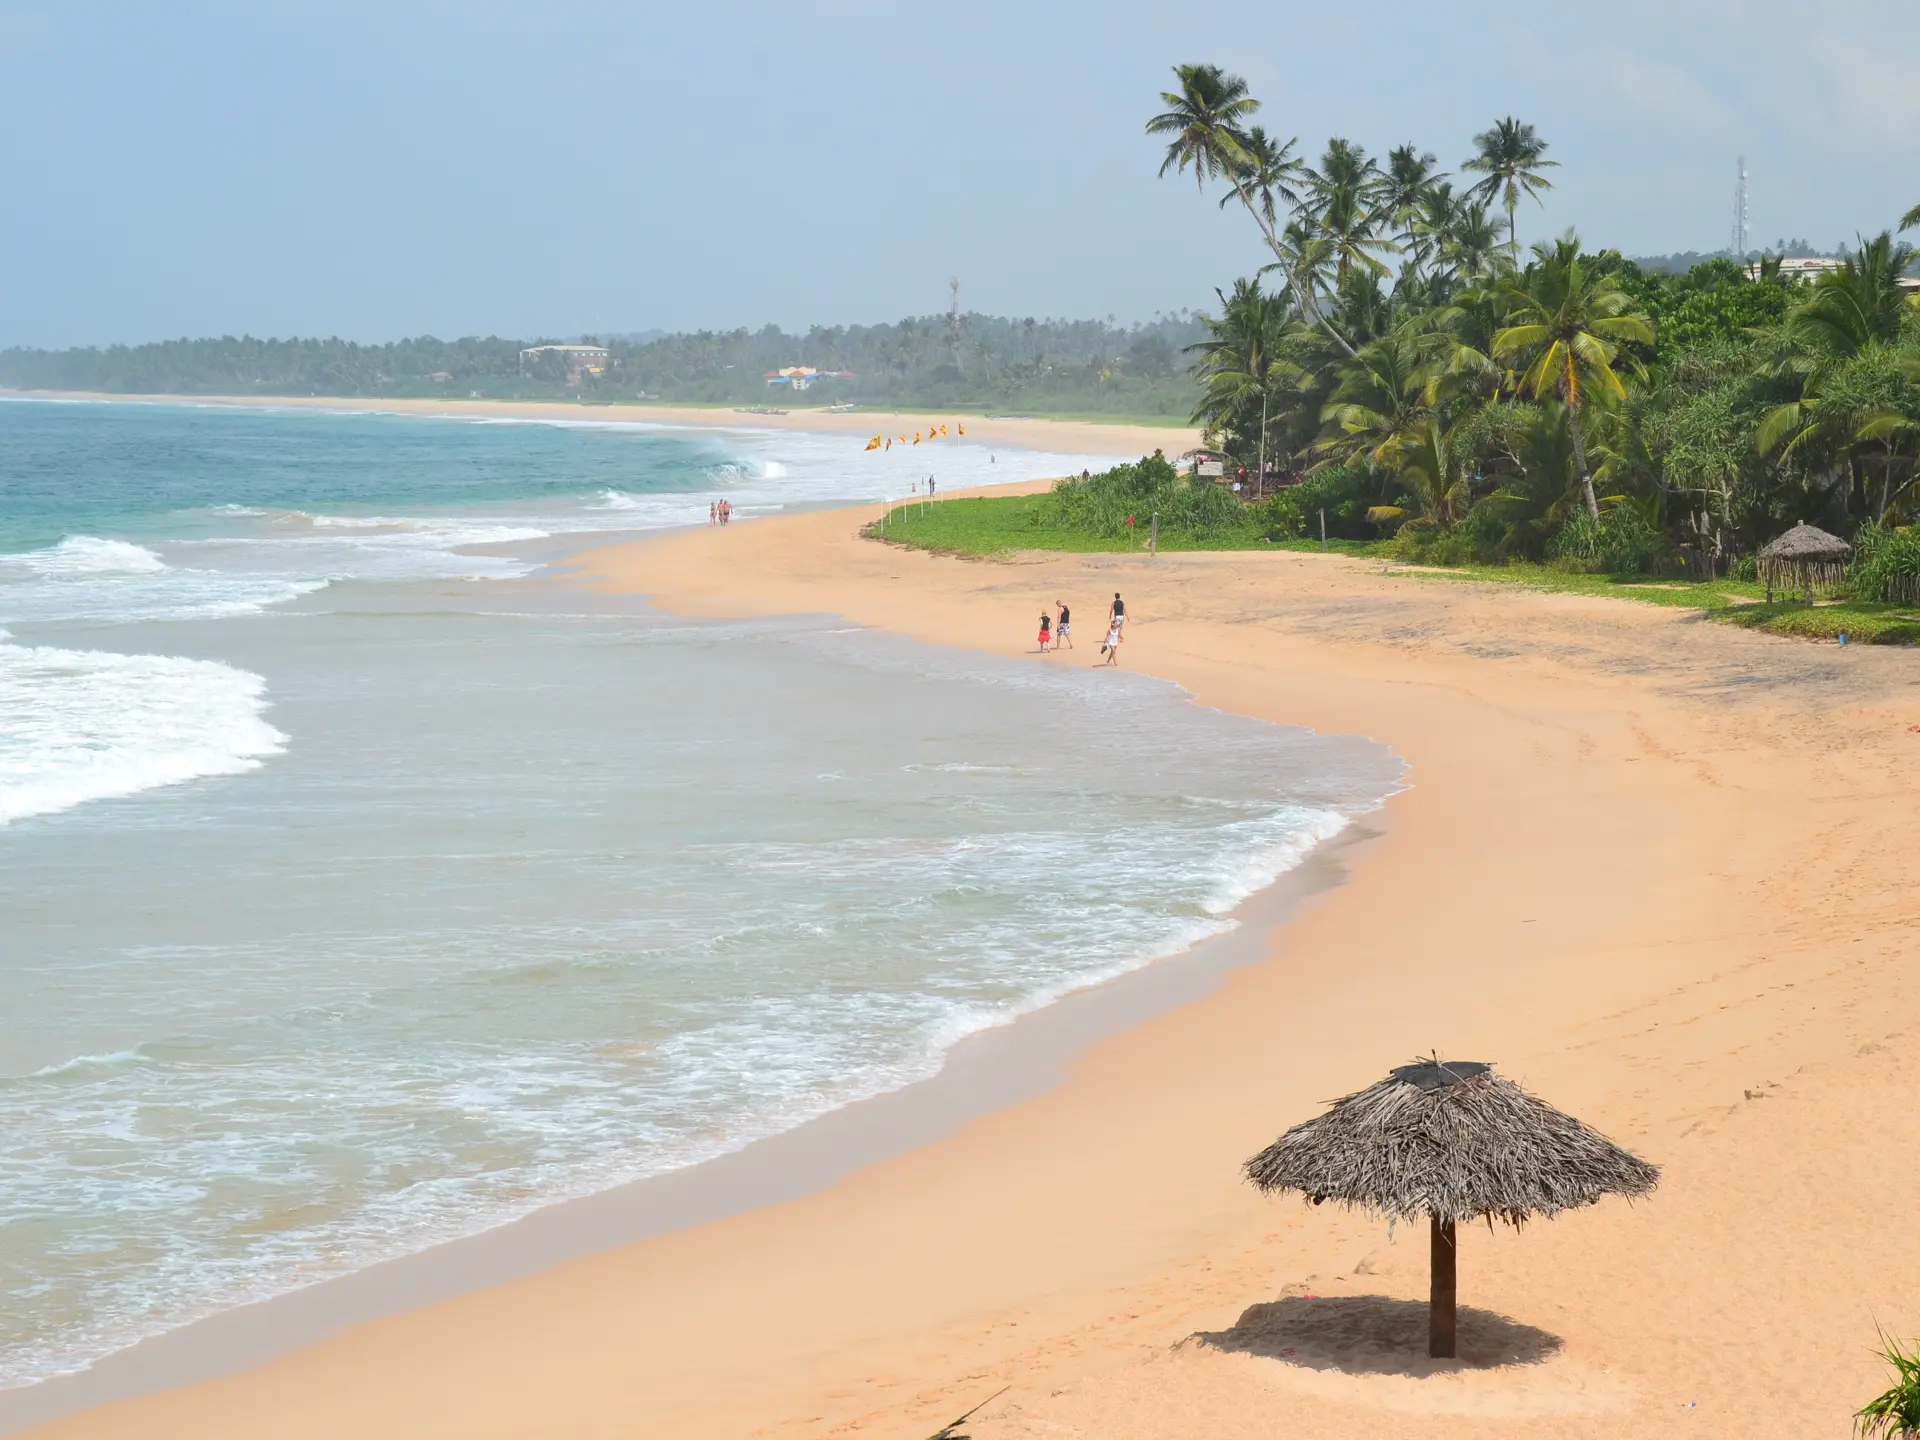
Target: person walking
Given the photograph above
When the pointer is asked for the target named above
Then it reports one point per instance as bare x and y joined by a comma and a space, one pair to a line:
1117, 616
1112, 648
1063, 630
1046, 631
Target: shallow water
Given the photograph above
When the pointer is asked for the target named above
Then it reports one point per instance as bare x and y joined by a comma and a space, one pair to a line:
459, 898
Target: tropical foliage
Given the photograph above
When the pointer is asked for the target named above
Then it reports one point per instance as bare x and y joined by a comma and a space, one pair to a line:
963, 360
1400, 364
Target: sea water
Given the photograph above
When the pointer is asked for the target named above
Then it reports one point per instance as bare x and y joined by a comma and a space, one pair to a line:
361, 889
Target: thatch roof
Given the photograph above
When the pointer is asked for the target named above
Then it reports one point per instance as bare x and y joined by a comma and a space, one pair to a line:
1453, 1140
1805, 542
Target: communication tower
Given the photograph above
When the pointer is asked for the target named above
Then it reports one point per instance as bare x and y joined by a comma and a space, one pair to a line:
953, 303
1739, 246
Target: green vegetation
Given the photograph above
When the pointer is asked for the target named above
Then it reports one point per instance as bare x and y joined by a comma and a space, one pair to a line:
1062, 368
1565, 420
1472, 401
1896, 1414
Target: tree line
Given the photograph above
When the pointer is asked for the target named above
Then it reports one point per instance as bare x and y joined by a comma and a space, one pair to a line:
1425, 379
941, 361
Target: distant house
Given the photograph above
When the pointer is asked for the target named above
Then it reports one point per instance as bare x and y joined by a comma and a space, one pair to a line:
580, 359
800, 377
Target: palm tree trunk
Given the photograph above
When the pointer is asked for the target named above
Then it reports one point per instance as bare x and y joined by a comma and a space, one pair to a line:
1260, 476
1303, 292
1580, 455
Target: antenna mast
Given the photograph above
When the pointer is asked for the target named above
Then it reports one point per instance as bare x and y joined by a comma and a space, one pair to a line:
1739, 247
953, 304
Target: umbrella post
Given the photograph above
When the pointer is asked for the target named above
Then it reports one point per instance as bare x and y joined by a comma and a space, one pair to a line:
1440, 1336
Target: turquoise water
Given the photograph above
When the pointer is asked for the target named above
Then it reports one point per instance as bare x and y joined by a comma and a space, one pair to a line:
360, 889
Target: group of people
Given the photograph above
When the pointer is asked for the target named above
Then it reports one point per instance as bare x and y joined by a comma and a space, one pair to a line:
719, 512
1055, 634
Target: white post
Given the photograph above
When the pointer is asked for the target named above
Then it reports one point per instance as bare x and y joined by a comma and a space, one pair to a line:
1323, 529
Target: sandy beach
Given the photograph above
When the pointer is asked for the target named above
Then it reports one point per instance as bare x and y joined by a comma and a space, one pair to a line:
1658, 870
1075, 436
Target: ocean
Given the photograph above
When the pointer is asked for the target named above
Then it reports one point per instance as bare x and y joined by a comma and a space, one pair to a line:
365, 884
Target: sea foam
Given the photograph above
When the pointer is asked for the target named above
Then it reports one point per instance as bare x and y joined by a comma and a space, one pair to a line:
79, 725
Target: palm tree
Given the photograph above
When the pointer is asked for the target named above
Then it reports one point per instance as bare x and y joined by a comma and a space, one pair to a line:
1910, 219
1867, 398
1239, 361
1204, 117
1410, 178
1570, 326
1857, 305
1471, 243
1510, 156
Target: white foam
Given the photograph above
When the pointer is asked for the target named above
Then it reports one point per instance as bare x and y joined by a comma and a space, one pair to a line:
80, 725
88, 555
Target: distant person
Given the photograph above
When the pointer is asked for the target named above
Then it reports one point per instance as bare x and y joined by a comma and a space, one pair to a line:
932, 488
1117, 616
1046, 631
1063, 631
1112, 648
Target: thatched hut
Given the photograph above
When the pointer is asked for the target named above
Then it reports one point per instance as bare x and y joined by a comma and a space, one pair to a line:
1800, 559
1452, 1141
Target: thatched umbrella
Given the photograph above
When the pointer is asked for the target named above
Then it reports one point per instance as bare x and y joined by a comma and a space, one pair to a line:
1452, 1141
1803, 555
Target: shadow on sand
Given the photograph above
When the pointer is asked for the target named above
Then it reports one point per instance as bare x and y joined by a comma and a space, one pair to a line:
1374, 1335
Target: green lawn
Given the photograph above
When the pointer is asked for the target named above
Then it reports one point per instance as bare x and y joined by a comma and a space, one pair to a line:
1864, 623
986, 526
1001, 524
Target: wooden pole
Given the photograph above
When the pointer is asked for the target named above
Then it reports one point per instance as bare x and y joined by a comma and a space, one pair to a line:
1440, 1333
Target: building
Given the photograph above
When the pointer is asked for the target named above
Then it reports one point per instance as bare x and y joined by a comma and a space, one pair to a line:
580, 359
800, 377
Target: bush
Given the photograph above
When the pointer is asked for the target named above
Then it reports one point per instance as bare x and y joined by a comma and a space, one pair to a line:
1886, 565
1745, 567
1345, 493
1100, 504
1620, 542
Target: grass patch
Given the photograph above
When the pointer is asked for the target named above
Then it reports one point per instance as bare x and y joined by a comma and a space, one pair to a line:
987, 525
1864, 623
1648, 589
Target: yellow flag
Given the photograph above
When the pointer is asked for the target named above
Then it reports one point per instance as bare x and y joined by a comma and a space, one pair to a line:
943, 430
874, 443
889, 444
916, 437
963, 429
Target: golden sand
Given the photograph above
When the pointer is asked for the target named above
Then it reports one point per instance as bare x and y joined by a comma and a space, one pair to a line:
1659, 871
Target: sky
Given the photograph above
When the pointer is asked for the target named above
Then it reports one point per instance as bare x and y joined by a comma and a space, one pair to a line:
374, 170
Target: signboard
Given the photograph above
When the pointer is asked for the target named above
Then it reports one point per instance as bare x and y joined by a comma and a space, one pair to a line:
1213, 468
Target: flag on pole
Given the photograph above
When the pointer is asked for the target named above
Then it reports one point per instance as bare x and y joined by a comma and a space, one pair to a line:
963, 429
916, 437
874, 443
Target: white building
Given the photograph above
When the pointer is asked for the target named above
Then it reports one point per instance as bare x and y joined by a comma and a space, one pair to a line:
580, 359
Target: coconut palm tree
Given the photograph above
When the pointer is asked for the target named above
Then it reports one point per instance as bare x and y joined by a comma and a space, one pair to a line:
1239, 362
1409, 179
1910, 219
1568, 328
1205, 119
1510, 155
1857, 305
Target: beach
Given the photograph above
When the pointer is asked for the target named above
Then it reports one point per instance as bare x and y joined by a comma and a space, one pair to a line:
1123, 441
1655, 869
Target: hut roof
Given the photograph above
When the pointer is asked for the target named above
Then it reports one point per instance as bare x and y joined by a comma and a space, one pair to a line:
1449, 1139
1805, 542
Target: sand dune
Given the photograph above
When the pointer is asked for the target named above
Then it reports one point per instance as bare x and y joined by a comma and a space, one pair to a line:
1660, 871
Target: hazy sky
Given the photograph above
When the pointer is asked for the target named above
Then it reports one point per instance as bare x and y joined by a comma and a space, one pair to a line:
377, 170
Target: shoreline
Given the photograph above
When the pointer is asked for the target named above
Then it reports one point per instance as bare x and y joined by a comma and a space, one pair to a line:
1119, 439
1652, 868
985, 1070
